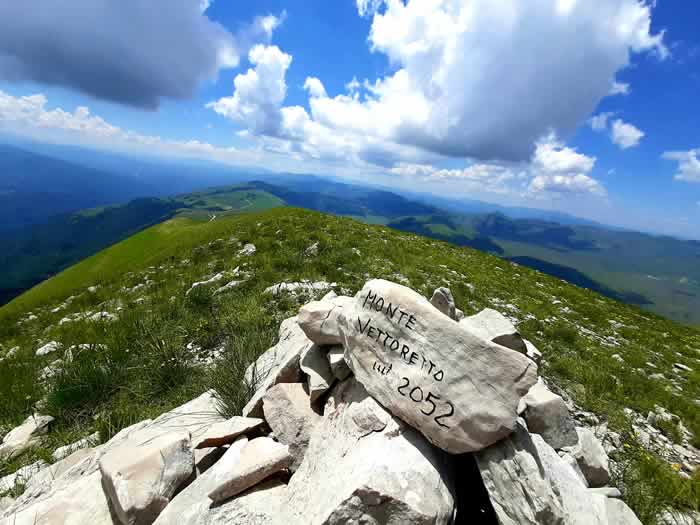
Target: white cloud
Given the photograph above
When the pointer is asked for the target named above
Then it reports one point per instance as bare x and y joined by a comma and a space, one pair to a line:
315, 87
619, 88
688, 164
553, 158
565, 184
259, 93
625, 135
462, 70
553, 169
600, 122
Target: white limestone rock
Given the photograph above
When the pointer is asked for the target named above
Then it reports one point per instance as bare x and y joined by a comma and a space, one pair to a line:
48, 348
516, 483
547, 414
247, 250
618, 513
364, 466
226, 432
260, 458
76, 503
25, 436
289, 412
279, 364
86, 442
213, 279
495, 327
529, 484
532, 352
21, 476
459, 390
591, 458
442, 300
314, 363
259, 506
336, 360
299, 287
320, 319
139, 479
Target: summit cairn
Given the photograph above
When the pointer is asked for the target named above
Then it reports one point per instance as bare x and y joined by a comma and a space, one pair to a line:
382, 408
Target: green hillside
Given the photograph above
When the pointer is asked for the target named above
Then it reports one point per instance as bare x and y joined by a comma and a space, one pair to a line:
166, 345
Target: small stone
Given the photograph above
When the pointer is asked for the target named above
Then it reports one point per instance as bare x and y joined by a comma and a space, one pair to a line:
592, 458
87, 442
260, 459
442, 300
608, 492
140, 478
25, 436
226, 432
248, 249
336, 359
547, 414
289, 413
495, 327
314, 363
532, 352
48, 348
312, 250
682, 367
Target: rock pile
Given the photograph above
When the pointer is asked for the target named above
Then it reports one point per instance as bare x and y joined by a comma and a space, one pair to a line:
383, 408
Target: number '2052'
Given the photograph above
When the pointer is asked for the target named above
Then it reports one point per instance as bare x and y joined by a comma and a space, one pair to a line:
416, 395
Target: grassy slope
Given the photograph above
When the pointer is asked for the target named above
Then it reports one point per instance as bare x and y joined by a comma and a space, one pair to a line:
145, 365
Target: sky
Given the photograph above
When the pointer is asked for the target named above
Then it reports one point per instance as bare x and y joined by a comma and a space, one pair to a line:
590, 108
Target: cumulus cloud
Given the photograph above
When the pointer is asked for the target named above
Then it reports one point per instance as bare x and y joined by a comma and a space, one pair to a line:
259, 92
475, 79
600, 122
31, 116
625, 135
553, 169
688, 164
133, 52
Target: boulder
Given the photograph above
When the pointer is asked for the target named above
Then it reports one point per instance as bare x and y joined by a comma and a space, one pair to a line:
442, 300
48, 348
21, 476
191, 505
140, 478
608, 492
86, 442
459, 390
336, 360
279, 364
25, 436
532, 352
529, 484
226, 432
314, 363
547, 414
78, 502
365, 466
591, 458
494, 326
289, 412
319, 319
260, 459
517, 485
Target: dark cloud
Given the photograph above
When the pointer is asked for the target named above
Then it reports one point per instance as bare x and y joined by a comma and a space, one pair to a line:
134, 52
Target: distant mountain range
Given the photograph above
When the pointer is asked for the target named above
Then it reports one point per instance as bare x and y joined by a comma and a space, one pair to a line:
658, 273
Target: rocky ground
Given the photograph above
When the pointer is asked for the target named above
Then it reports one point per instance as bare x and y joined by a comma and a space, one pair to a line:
380, 408
100, 355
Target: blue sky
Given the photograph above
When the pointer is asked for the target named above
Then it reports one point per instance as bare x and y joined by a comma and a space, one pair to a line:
556, 104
